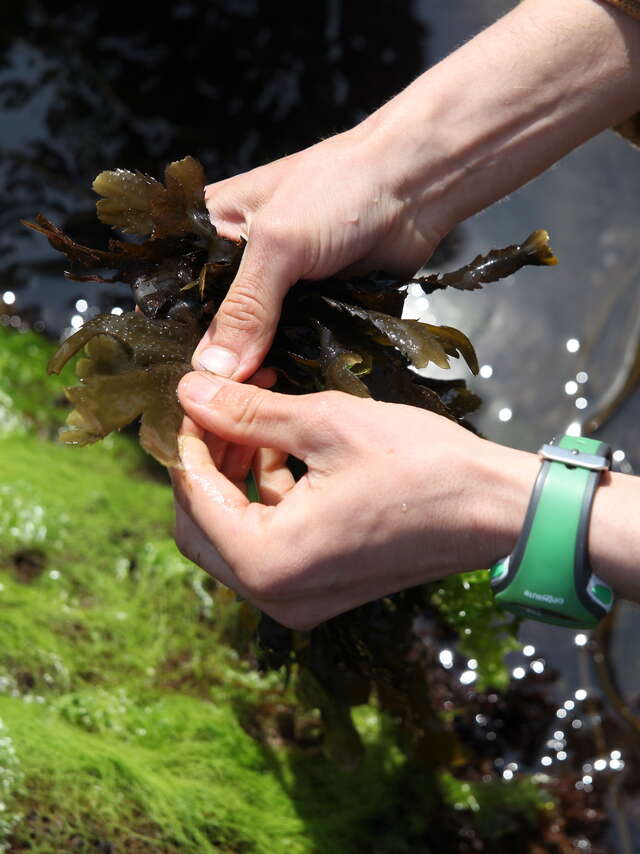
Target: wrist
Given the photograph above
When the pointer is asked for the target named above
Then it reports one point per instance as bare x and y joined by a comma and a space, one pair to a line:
504, 478
614, 542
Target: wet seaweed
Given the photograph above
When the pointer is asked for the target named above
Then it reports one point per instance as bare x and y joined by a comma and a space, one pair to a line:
345, 335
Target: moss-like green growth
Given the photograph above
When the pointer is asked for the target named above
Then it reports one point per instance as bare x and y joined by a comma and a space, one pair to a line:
133, 718
486, 632
498, 807
29, 399
118, 687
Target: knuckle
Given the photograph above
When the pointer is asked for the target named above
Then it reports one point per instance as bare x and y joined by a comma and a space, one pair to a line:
243, 405
245, 308
327, 409
276, 232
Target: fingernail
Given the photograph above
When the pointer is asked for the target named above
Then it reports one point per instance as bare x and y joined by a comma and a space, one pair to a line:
218, 361
200, 388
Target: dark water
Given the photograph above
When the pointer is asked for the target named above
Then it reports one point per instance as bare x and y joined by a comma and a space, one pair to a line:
238, 83
234, 83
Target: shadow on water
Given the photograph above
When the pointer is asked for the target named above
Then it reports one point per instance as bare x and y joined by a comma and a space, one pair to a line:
237, 83
234, 83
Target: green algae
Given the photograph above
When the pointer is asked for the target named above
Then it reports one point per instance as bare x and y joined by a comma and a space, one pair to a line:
189, 780
486, 633
117, 688
134, 717
497, 807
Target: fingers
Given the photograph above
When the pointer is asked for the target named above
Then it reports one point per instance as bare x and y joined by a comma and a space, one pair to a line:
264, 378
206, 494
251, 416
196, 547
237, 462
272, 475
242, 331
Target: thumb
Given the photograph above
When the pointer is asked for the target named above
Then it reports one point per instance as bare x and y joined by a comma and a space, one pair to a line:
247, 415
242, 331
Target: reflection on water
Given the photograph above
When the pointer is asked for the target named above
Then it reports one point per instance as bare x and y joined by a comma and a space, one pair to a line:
82, 90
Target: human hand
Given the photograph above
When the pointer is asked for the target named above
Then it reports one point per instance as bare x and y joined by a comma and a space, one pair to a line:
394, 496
307, 216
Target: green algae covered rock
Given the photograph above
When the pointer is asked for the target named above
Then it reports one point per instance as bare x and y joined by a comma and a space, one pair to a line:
134, 717
128, 717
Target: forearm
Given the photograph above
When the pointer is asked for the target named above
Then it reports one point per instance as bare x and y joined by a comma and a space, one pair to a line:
501, 109
614, 537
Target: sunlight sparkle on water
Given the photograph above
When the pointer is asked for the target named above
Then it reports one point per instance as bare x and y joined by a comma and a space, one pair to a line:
116, 310
529, 650
571, 387
580, 639
574, 429
618, 456
518, 673
446, 658
505, 414
580, 695
468, 677
573, 345
82, 305
8, 297
486, 371
76, 321
582, 376
581, 403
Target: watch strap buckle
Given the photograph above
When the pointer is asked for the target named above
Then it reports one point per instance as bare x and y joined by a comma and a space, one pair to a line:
573, 457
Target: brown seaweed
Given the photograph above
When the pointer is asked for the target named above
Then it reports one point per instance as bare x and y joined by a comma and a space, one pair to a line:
495, 265
131, 368
344, 335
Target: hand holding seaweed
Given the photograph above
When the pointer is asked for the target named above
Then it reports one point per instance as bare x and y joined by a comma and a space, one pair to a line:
354, 527
344, 334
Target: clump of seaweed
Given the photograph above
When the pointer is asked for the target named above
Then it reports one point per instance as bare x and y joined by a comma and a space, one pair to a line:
344, 334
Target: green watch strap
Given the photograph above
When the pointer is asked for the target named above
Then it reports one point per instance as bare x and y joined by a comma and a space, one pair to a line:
548, 576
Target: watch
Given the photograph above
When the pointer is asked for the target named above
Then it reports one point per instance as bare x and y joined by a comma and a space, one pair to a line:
548, 576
